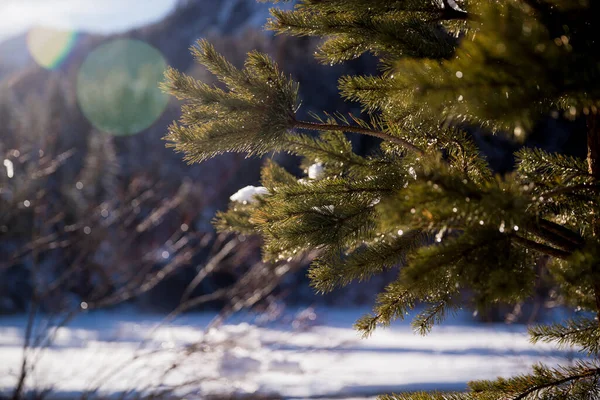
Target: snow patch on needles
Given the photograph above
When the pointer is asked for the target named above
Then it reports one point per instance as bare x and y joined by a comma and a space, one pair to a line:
316, 171
412, 173
249, 194
374, 202
327, 209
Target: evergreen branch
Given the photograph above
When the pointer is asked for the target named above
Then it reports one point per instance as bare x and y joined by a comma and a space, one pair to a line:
336, 190
585, 374
543, 168
331, 270
304, 146
434, 314
356, 129
394, 303
387, 29
528, 57
438, 396
582, 332
569, 189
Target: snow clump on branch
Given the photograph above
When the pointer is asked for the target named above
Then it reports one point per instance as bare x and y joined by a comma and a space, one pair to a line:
249, 194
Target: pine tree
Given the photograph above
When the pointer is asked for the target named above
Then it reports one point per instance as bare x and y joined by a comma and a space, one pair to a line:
428, 200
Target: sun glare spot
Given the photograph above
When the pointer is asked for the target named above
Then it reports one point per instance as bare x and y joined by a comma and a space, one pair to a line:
50, 47
117, 86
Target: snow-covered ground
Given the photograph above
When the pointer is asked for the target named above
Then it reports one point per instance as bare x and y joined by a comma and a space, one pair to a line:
316, 355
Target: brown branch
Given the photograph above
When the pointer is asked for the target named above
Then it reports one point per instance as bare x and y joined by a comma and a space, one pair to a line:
562, 231
552, 237
542, 248
357, 129
210, 267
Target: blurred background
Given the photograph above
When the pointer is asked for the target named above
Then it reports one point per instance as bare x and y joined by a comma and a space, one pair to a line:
86, 175
104, 232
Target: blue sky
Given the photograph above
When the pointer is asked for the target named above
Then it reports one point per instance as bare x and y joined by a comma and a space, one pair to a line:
104, 16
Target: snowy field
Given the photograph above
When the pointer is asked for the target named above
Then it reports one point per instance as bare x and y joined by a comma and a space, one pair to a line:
306, 355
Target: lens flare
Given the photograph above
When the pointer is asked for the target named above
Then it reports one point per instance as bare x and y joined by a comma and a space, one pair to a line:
50, 47
117, 86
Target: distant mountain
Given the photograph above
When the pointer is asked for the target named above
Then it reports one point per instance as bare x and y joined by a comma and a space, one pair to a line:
234, 27
173, 35
193, 19
14, 54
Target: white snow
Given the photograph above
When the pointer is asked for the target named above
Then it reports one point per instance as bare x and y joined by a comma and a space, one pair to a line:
10, 171
412, 173
322, 356
316, 171
248, 194
325, 209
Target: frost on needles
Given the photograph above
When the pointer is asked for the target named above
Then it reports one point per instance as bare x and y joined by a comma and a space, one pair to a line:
427, 201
